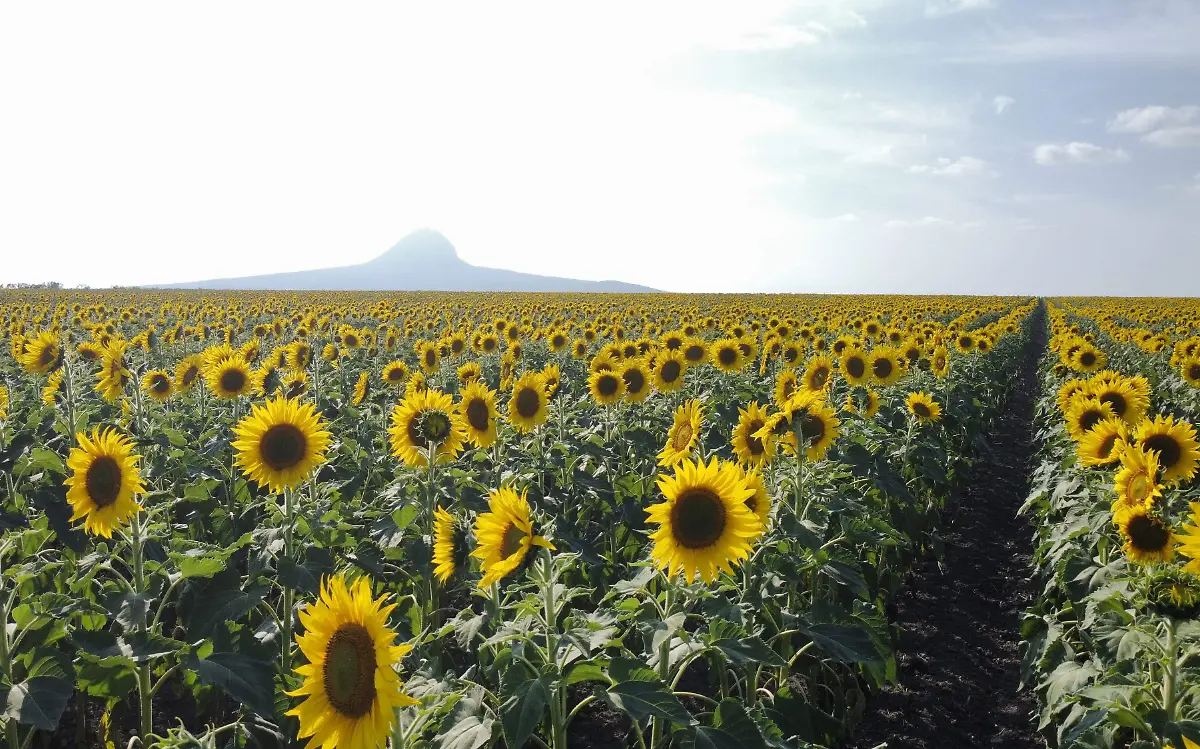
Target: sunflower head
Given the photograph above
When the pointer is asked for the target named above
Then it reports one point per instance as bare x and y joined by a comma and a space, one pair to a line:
478, 408
504, 535
923, 407
229, 377
669, 368
1148, 539
1173, 592
279, 443
748, 447
854, 365
104, 481
607, 386
684, 434
424, 419
1103, 444
529, 406
637, 380
394, 373
1176, 444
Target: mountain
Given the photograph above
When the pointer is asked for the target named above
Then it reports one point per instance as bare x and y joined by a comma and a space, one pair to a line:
422, 261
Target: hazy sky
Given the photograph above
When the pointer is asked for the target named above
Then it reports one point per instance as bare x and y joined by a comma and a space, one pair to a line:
991, 146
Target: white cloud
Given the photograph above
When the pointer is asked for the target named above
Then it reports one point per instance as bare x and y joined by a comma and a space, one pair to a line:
880, 155
938, 8
845, 218
1145, 119
1049, 154
1175, 137
1001, 103
930, 222
965, 166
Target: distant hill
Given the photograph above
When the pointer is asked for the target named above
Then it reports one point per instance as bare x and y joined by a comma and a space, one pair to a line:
422, 261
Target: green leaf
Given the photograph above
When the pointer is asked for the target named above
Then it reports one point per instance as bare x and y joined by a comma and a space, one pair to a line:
247, 680
584, 671
641, 694
38, 702
47, 460
223, 606
298, 577
732, 728
741, 647
403, 516
521, 713
848, 644
135, 647
205, 566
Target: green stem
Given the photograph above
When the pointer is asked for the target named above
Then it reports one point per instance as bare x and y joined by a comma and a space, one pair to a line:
10, 725
1170, 698
145, 690
289, 525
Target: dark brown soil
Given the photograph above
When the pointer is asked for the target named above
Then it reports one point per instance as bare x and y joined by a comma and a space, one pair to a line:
959, 658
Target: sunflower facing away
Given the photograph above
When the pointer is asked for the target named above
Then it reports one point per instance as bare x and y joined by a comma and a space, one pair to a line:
279, 442
351, 686
684, 433
1102, 445
529, 406
422, 418
1176, 445
1147, 538
750, 449
1136, 483
104, 481
478, 407
923, 407
862, 401
504, 535
443, 545
704, 524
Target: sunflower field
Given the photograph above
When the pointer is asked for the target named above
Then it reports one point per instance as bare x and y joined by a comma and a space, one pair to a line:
1113, 641
474, 520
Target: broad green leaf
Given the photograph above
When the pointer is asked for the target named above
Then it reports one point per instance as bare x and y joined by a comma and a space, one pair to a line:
521, 713
247, 680
848, 644
641, 694
39, 701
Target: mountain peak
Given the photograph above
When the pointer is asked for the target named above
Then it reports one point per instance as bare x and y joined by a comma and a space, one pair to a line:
425, 246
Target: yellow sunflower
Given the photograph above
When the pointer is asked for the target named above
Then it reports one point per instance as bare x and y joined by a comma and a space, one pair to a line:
726, 355
430, 357
42, 353
360, 389
606, 386
760, 501
1188, 539
443, 545
637, 379
103, 482
229, 377
529, 406
504, 535
939, 362
478, 407
885, 366
815, 424
1136, 482
1103, 444
552, 376
787, 384
704, 524
923, 407
818, 374
423, 418
1176, 445
862, 401
394, 373
684, 434
1127, 403
1084, 413
53, 383
854, 365
187, 372
351, 686
157, 384
694, 351
1147, 538
1189, 370
750, 449
295, 384
669, 368
279, 443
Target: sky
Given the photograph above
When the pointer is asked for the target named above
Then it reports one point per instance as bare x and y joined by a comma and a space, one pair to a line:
860, 146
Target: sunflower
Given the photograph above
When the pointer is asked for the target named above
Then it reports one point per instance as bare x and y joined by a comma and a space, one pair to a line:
1136, 482
1147, 538
760, 501
862, 401
89, 351
394, 373
157, 384
749, 449
787, 384
814, 424
1127, 403
1069, 391
360, 388
924, 407
704, 524
104, 481
1084, 413
504, 535
964, 342
726, 355
637, 379
279, 443
529, 406
694, 351
187, 372
885, 366
351, 686
42, 353
854, 365
1176, 445
469, 372
295, 384
1189, 539
818, 374
606, 386
430, 357
478, 407
4, 399
939, 362
1103, 444
300, 355
443, 545
424, 417
229, 377
53, 383
1089, 359
1189, 370
684, 433
669, 368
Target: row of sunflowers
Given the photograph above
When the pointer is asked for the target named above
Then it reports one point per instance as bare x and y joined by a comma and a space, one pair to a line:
356, 520
1112, 640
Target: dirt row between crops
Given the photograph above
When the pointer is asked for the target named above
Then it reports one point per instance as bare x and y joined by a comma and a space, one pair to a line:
959, 652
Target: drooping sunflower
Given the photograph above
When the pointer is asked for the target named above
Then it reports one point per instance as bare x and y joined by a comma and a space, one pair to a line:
104, 481
886, 368
443, 545
606, 386
295, 384
529, 406
187, 372
478, 407
726, 355
157, 384
279, 443
815, 424
923, 407
42, 353
818, 374
1136, 482
1176, 445
704, 524
504, 535
669, 368
53, 383
1103, 444
684, 434
854, 365
1084, 413
637, 379
351, 686
424, 418
787, 384
1127, 403
394, 373
750, 449
1148, 539
360, 388
229, 377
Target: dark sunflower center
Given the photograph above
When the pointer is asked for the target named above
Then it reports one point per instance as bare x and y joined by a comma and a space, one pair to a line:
160, 384
671, 371
965, 341
395, 374
477, 414
103, 481
1087, 358
352, 341
694, 353
728, 356
283, 446
682, 436
1194, 371
812, 428
189, 376
698, 518
607, 385
939, 362
1147, 534
674, 343
856, 367
49, 354
1106, 446
635, 380
819, 377
789, 389
511, 542
922, 410
1116, 400
528, 403
1090, 419
233, 380
349, 670
754, 444
1169, 451
882, 368
558, 341
435, 426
